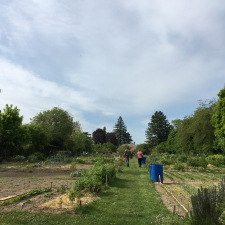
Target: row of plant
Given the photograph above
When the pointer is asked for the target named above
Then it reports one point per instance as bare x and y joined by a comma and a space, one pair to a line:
26, 195
92, 179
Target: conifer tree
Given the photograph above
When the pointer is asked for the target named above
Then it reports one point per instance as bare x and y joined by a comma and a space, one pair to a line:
121, 133
158, 129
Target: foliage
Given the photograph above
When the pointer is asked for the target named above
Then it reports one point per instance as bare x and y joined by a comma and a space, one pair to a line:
104, 148
78, 173
26, 195
121, 133
195, 133
165, 161
196, 162
92, 180
158, 129
81, 161
160, 148
182, 158
18, 158
207, 205
218, 118
178, 166
99, 136
37, 138
111, 137
216, 160
13, 135
78, 142
145, 148
57, 124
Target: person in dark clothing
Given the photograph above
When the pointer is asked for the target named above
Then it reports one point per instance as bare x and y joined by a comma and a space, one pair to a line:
127, 154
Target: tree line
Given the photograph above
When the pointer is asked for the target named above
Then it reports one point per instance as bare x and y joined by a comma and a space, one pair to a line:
201, 132
53, 130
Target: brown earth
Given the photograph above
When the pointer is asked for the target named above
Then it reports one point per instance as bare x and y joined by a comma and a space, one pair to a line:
16, 181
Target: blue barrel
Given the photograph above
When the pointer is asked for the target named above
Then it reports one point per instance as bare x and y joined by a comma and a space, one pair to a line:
143, 160
156, 171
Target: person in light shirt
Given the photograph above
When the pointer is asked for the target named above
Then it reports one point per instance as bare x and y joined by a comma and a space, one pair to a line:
139, 156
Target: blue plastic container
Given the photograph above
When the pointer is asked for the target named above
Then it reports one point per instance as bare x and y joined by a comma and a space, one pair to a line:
156, 171
143, 160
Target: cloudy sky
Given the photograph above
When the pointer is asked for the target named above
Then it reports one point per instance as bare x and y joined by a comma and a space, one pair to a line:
101, 59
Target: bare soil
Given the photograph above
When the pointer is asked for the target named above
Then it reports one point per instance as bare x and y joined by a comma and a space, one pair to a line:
16, 181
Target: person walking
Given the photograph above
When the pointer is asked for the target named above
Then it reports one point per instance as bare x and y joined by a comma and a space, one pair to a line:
127, 154
139, 156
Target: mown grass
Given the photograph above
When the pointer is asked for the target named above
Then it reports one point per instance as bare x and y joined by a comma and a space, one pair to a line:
130, 199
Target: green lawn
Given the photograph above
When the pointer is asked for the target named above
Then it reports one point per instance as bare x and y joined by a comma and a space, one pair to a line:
130, 199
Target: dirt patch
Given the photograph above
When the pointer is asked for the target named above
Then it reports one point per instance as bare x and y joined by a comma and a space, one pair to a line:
17, 181
168, 200
64, 202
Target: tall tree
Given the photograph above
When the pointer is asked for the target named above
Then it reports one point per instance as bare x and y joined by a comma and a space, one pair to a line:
57, 124
12, 135
218, 119
98, 136
121, 133
158, 129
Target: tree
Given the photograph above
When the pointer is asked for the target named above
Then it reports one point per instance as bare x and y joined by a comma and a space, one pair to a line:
78, 142
12, 133
196, 133
218, 119
57, 124
121, 133
98, 136
158, 129
111, 137
36, 140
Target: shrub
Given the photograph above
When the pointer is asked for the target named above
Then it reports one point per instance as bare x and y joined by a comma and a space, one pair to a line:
40, 156
197, 162
165, 161
78, 173
33, 158
202, 162
216, 160
206, 205
178, 166
18, 158
182, 158
81, 161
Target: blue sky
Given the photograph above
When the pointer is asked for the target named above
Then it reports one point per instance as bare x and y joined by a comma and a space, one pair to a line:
103, 59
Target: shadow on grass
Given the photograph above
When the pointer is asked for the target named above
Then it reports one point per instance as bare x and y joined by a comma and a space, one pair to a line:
121, 183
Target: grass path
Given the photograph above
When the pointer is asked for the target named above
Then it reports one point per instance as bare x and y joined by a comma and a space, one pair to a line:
130, 199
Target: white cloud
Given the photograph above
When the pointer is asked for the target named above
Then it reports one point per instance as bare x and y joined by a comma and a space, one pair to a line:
107, 59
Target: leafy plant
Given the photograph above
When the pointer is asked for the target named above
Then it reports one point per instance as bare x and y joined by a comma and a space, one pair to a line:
26, 195
178, 166
78, 173
62, 189
207, 205
18, 158
81, 161
72, 166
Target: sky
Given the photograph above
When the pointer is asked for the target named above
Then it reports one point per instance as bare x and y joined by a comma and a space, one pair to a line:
100, 59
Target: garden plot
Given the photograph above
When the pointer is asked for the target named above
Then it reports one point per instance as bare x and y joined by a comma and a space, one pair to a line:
21, 180
184, 184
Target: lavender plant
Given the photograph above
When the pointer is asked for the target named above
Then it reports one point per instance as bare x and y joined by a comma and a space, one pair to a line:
207, 205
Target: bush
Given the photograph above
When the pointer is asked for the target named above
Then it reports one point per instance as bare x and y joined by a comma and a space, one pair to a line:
206, 205
33, 158
19, 158
182, 158
197, 162
216, 160
78, 173
81, 161
165, 161
178, 166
